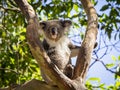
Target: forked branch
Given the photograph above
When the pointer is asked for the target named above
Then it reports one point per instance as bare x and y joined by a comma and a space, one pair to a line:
84, 57
37, 49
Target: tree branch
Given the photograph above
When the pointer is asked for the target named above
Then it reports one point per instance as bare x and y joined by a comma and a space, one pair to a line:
88, 43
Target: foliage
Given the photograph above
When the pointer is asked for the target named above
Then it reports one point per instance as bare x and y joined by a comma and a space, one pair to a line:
16, 62
96, 82
110, 22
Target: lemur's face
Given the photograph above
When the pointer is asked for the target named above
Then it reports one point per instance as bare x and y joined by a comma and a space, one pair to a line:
55, 29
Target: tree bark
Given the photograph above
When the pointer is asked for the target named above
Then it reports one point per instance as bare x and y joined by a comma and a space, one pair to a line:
84, 56
89, 41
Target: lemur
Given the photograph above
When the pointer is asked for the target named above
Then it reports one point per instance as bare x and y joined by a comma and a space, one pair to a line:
57, 45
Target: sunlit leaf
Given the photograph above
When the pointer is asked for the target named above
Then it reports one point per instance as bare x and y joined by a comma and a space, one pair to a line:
75, 6
118, 57
94, 79
113, 58
14, 47
110, 65
12, 60
118, 84
3, 34
22, 38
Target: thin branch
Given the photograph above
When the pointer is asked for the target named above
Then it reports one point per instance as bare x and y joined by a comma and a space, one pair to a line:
9, 70
10, 9
106, 67
92, 64
96, 59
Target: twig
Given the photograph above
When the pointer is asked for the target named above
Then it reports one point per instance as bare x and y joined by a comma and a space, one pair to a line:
11, 9
96, 59
9, 70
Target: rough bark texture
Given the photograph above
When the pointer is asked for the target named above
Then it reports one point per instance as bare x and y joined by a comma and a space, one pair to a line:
43, 60
88, 43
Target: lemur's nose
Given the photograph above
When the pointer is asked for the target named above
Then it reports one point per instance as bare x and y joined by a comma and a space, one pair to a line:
54, 30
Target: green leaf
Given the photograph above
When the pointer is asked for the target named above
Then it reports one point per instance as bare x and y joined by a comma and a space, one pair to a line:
12, 60
102, 85
114, 58
109, 31
118, 57
82, 35
14, 47
75, 6
94, 79
22, 38
3, 34
110, 65
105, 7
114, 12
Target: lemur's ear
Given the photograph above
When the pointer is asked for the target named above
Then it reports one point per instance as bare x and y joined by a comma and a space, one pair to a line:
42, 25
67, 23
